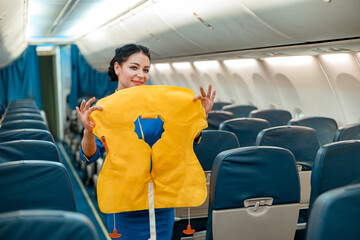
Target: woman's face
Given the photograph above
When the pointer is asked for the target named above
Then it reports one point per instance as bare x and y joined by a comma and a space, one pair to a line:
133, 72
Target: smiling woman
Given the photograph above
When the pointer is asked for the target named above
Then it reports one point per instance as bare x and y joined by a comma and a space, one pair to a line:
130, 66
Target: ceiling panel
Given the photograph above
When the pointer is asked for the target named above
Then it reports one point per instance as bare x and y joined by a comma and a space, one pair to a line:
12, 30
175, 29
310, 20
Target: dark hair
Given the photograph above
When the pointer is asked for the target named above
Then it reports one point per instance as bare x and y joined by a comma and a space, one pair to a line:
122, 54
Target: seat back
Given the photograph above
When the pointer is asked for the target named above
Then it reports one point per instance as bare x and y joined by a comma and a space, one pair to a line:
252, 187
219, 105
24, 103
239, 110
212, 143
336, 165
35, 185
16, 110
324, 126
301, 141
17, 124
276, 117
336, 215
216, 117
245, 129
28, 150
348, 132
26, 134
46, 224
22, 116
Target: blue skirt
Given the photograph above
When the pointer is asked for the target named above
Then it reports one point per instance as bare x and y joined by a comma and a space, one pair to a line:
135, 225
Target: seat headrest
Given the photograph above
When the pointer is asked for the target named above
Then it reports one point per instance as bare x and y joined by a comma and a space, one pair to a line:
336, 165
16, 124
28, 150
22, 116
245, 129
35, 184
26, 134
219, 105
253, 172
212, 143
23, 103
46, 224
303, 142
348, 132
215, 118
21, 110
335, 215
276, 117
324, 126
239, 110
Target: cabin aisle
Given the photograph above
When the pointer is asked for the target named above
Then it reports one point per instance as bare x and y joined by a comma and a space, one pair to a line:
85, 199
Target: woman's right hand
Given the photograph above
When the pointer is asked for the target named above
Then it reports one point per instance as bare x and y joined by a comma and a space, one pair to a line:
84, 111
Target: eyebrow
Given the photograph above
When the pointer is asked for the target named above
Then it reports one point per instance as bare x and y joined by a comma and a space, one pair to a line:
138, 64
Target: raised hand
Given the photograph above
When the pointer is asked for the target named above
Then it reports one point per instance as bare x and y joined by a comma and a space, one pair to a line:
84, 111
207, 99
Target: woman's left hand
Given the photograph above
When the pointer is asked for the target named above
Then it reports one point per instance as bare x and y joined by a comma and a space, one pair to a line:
207, 99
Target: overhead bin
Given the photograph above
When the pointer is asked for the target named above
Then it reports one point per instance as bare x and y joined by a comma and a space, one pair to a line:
173, 29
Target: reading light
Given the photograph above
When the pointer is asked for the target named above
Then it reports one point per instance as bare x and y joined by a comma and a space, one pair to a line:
204, 65
339, 57
296, 60
181, 65
240, 63
162, 66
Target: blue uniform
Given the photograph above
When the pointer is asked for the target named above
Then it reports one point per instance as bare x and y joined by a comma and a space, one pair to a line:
135, 224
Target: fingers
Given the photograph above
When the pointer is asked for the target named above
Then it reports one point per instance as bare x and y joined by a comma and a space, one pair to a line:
95, 108
88, 104
209, 91
78, 111
197, 98
82, 105
202, 91
85, 106
213, 96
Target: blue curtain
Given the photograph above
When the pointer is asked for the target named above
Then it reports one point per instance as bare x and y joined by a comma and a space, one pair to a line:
21, 79
86, 81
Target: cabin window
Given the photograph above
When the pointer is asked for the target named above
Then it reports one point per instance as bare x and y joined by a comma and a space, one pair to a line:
298, 113
272, 106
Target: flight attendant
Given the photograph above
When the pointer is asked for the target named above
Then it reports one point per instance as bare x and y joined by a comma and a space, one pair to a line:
130, 68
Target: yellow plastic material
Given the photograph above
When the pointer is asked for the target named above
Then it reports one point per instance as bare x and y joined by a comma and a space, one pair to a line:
178, 177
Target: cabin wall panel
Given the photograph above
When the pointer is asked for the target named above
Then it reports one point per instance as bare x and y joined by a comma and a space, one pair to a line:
250, 82
306, 79
343, 71
265, 94
305, 86
242, 90
195, 78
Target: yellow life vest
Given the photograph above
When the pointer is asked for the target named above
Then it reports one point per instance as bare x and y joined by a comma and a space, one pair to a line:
177, 176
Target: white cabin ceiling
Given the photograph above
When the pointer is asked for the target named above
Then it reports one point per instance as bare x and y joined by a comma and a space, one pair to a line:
180, 29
